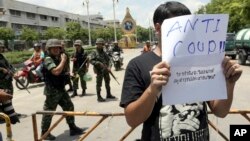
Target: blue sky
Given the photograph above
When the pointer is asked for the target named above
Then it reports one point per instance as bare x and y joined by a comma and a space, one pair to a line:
141, 10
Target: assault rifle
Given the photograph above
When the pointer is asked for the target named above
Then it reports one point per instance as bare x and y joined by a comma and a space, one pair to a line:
11, 74
110, 72
80, 68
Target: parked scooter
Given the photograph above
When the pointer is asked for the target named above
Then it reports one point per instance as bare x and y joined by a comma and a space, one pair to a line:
27, 75
117, 60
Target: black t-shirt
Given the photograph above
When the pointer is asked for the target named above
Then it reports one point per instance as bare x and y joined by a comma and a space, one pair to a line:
180, 122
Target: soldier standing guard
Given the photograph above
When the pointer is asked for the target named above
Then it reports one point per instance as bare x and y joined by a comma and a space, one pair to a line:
79, 57
54, 73
102, 64
6, 72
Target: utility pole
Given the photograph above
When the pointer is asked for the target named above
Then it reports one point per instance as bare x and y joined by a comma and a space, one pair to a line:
114, 20
87, 2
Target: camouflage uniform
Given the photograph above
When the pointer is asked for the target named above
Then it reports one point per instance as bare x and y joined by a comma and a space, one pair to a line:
81, 57
6, 84
55, 92
67, 70
101, 62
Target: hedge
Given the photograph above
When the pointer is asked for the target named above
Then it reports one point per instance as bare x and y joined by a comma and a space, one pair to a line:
17, 57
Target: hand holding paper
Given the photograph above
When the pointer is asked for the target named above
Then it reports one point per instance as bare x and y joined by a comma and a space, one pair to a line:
194, 47
159, 76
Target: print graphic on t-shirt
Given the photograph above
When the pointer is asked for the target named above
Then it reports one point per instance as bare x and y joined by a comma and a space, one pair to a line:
178, 119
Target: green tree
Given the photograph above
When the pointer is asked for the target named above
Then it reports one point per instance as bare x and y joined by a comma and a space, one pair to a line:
105, 33
29, 35
74, 31
54, 32
142, 34
6, 34
238, 10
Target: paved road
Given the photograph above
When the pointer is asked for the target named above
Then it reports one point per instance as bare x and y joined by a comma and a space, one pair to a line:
112, 129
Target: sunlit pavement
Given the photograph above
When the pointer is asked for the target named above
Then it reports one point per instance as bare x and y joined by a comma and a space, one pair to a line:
112, 129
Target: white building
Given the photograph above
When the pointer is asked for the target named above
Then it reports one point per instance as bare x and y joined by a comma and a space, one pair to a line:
16, 14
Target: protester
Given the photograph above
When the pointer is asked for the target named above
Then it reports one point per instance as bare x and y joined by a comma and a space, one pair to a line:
141, 93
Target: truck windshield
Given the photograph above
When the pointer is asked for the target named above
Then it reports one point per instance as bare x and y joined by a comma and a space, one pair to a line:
230, 37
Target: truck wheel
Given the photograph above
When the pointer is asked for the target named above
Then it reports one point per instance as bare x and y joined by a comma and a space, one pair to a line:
242, 58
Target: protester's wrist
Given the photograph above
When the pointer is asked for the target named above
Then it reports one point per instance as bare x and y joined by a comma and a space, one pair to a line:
153, 91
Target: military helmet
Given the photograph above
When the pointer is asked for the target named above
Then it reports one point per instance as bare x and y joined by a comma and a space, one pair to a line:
78, 42
37, 45
99, 41
53, 43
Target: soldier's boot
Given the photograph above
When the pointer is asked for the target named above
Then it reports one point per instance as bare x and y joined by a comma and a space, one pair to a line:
83, 93
99, 97
74, 130
109, 95
49, 137
14, 119
74, 94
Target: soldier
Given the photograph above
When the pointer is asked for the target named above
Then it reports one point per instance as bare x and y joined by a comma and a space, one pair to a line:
79, 57
6, 73
54, 74
102, 64
67, 69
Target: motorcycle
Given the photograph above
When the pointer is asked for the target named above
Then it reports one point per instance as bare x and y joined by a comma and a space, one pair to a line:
117, 60
27, 75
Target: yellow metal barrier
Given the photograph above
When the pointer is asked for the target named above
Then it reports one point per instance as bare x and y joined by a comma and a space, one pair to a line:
232, 111
69, 113
8, 126
106, 115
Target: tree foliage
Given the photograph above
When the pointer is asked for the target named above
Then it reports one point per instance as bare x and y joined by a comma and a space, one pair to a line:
238, 10
28, 34
142, 34
74, 31
54, 32
6, 34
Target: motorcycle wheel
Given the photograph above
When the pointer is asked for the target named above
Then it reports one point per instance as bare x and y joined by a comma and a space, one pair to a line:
25, 82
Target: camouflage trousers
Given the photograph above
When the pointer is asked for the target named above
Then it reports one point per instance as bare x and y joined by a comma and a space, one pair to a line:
82, 81
58, 97
99, 78
67, 80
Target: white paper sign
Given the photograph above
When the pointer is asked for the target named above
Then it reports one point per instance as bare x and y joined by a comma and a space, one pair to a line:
194, 46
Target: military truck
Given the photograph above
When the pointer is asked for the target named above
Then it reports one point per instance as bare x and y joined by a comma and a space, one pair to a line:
230, 46
242, 44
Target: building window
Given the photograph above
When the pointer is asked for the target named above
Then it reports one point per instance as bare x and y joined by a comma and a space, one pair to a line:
31, 15
3, 24
54, 19
15, 13
2, 11
44, 17
16, 26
